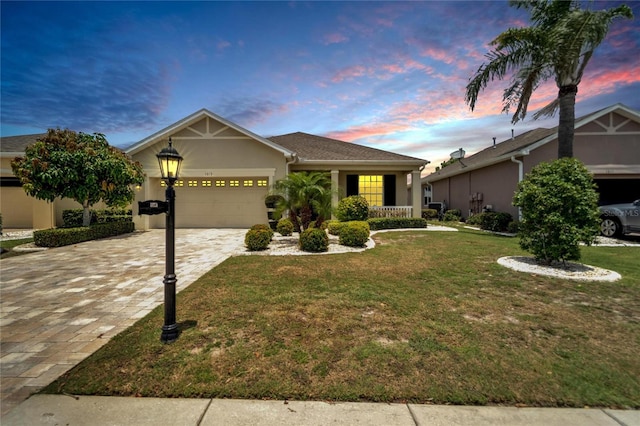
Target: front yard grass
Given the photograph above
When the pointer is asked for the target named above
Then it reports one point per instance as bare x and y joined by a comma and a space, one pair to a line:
10, 244
425, 317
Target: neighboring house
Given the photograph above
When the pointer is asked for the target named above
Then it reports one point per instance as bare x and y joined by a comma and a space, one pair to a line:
606, 141
227, 171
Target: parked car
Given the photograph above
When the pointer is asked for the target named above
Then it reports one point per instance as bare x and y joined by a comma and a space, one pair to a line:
620, 219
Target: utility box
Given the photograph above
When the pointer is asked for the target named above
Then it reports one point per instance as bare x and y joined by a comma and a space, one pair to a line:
152, 207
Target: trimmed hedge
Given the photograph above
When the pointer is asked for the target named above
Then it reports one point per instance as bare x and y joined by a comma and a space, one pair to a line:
72, 218
58, 237
258, 239
354, 234
314, 240
396, 223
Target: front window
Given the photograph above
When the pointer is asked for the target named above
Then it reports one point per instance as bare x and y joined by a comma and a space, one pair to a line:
371, 188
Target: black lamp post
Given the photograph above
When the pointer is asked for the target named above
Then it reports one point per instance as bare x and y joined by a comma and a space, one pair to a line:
170, 162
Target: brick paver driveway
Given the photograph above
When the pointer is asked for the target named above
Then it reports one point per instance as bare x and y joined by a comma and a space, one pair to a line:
59, 306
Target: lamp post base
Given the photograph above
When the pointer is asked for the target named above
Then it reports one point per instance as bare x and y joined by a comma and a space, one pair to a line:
170, 333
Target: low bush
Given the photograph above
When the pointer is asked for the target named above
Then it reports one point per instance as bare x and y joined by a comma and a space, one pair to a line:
354, 234
263, 227
58, 237
334, 227
284, 227
396, 223
257, 239
314, 240
495, 221
475, 220
453, 215
429, 214
513, 227
354, 207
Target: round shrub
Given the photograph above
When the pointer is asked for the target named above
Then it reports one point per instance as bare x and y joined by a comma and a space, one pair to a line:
354, 234
354, 207
559, 210
476, 219
334, 227
264, 227
513, 227
314, 240
429, 214
284, 227
495, 221
257, 239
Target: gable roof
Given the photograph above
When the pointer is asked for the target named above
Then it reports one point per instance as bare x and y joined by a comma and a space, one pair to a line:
521, 145
16, 145
319, 149
193, 118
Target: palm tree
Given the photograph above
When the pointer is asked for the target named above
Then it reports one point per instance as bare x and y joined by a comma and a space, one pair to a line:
559, 44
306, 196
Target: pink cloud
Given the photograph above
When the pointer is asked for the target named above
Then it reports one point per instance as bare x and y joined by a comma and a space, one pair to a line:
349, 73
334, 38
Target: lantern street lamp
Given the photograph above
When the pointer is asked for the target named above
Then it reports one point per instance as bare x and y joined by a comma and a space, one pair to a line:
170, 162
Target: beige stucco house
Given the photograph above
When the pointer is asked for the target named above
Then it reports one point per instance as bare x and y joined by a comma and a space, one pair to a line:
606, 141
227, 171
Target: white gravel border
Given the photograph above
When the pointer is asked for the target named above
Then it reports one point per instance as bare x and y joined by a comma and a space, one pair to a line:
572, 271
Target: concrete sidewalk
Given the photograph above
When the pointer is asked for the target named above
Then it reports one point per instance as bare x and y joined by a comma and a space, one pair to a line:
95, 410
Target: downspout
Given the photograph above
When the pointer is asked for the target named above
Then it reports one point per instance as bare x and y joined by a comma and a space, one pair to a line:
294, 159
520, 174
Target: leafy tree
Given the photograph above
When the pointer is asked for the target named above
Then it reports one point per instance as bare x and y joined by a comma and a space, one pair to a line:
559, 44
306, 196
559, 206
79, 166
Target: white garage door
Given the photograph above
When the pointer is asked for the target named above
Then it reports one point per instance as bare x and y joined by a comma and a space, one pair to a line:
221, 203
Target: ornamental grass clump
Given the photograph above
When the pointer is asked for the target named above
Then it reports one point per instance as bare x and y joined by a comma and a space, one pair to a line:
559, 206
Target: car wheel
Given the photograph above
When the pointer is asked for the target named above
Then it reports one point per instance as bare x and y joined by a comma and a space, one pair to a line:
609, 227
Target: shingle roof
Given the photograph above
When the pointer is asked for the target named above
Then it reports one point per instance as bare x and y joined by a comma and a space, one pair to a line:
485, 157
532, 138
18, 143
317, 148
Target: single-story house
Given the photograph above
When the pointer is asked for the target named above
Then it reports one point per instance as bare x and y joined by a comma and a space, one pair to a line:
227, 172
606, 141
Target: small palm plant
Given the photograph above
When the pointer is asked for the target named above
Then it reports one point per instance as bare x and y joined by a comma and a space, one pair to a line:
306, 196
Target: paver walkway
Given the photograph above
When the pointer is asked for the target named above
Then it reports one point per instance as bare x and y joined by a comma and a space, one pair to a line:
59, 306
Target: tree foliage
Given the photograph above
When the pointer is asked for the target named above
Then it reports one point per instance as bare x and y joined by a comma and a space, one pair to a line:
559, 44
306, 197
559, 206
79, 166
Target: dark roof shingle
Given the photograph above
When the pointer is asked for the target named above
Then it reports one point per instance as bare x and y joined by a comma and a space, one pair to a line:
318, 148
18, 143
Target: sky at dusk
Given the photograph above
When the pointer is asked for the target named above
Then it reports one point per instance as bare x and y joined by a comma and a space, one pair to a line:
389, 75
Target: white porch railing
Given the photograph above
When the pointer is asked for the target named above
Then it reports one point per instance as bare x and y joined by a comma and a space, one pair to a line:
390, 211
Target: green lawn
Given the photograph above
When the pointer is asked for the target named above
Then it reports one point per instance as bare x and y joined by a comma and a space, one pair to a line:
10, 244
424, 317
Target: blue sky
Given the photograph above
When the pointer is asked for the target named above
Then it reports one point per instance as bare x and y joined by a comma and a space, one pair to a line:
390, 75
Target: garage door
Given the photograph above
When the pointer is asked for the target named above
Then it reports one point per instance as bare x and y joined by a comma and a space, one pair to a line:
16, 207
221, 203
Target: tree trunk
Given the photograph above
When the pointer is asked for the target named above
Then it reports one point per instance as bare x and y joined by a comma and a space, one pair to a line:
567, 101
86, 214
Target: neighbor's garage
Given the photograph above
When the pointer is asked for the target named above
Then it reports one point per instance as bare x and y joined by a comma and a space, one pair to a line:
219, 203
15, 205
617, 191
